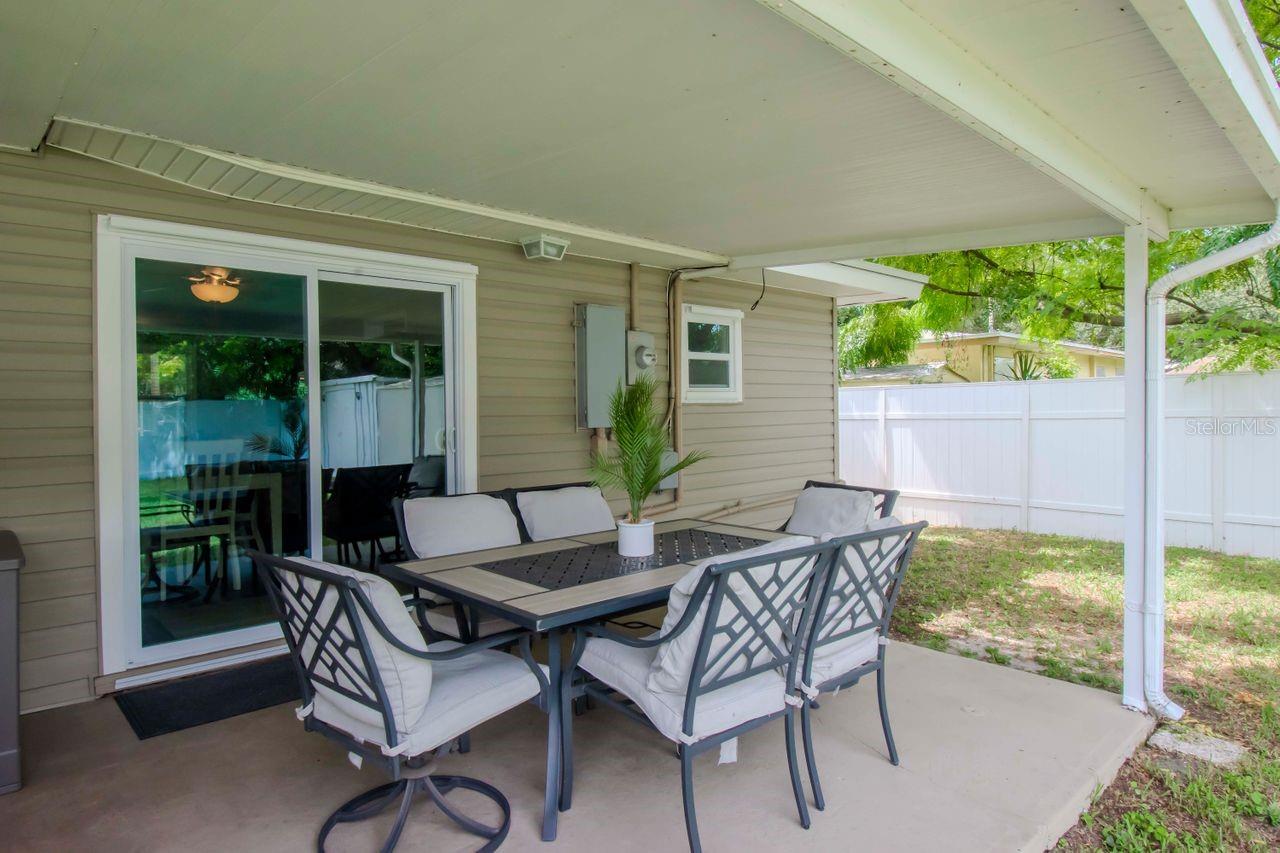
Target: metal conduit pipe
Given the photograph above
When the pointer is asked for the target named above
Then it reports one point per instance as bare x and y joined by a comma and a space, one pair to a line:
1153, 605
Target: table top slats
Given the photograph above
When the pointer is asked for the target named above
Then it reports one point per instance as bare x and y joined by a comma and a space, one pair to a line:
573, 597
470, 558
478, 582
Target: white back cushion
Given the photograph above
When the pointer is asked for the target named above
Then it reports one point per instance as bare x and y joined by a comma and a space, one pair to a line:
837, 512
406, 679
552, 513
673, 664
451, 525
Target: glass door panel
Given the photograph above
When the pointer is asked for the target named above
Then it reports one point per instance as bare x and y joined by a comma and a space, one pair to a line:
222, 441
385, 408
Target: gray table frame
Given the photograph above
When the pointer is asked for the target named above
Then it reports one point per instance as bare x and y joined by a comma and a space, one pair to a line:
460, 578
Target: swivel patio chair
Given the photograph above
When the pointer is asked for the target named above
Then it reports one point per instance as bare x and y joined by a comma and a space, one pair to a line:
725, 662
370, 682
849, 633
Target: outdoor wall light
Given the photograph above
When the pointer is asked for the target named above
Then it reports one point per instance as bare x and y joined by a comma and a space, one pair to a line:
544, 247
214, 284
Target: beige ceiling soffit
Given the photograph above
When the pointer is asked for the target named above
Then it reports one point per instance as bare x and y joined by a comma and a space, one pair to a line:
250, 179
900, 45
1214, 46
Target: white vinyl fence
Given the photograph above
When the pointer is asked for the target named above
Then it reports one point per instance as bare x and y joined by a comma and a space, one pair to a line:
1048, 456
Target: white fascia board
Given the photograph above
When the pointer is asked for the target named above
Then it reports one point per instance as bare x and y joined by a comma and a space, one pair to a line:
1044, 232
900, 45
246, 177
1214, 46
848, 282
1257, 212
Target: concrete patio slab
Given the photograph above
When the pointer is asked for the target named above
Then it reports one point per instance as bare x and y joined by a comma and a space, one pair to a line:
992, 759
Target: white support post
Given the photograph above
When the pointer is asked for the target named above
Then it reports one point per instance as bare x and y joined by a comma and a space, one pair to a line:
1136, 277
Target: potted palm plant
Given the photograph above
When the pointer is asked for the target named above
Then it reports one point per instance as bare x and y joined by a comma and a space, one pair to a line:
635, 466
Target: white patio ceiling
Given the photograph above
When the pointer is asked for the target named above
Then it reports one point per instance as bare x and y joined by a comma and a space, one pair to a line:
681, 134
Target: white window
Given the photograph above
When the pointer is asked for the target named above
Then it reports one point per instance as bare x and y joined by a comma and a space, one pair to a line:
712, 347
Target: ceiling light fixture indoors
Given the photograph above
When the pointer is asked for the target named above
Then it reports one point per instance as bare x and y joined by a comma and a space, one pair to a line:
214, 284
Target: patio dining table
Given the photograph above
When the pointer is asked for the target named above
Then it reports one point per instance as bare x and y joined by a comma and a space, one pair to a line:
550, 586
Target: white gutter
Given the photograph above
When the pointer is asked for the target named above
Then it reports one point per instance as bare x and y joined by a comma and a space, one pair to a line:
1153, 580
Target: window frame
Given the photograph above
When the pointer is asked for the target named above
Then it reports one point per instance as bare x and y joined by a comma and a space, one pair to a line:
732, 317
119, 241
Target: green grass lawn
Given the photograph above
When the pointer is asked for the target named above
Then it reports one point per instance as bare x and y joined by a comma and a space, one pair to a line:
1054, 604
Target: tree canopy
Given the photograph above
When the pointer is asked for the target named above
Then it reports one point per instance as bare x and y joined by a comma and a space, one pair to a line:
1074, 290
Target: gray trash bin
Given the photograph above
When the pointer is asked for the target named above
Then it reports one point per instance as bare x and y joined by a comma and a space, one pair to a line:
11, 560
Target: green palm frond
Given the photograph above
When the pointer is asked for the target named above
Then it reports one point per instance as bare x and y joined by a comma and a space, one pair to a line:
640, 439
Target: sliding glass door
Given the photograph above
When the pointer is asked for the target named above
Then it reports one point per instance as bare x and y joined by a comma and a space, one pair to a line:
386, 408
268, 406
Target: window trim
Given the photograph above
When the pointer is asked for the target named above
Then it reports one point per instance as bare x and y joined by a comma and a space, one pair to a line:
731, 317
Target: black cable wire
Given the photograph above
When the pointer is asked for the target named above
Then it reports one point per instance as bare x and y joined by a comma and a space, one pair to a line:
763, 272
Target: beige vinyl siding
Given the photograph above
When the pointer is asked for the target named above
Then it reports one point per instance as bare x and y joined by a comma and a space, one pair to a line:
762, 448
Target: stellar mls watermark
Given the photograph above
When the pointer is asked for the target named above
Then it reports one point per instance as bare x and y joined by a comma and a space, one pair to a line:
1232, 427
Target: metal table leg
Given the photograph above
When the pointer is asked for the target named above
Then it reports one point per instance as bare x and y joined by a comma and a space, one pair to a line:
555, 723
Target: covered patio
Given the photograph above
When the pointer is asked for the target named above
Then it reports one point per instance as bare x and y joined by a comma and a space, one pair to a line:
199, 201
993, 759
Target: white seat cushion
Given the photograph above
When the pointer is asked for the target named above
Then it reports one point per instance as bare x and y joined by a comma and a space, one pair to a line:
843, 656
406, 679
626, 669
436, 527
673, 663
823, 511
442, 620
467, 691
573, 510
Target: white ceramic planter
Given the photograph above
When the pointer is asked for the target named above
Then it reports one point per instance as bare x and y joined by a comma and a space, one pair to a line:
635, 540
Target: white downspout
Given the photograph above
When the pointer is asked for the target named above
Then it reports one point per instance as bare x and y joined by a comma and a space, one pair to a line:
1153, 580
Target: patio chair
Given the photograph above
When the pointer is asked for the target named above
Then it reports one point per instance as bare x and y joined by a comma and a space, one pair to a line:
454, 524
850, 630
726, 660
371, 683
553, 512
358, 510
822, 508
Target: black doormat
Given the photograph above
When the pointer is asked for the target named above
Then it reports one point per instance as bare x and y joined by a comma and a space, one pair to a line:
176, 705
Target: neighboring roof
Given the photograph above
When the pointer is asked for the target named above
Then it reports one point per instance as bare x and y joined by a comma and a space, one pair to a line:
1014, 338
749, 134
899, 372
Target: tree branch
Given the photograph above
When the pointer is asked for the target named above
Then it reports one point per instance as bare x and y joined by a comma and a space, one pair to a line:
970, 294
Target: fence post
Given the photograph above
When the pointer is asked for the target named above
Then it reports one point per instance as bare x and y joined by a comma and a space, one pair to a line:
886, 461
1024, 510
1217, 466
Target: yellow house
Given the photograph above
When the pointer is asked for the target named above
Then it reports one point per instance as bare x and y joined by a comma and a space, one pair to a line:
988, 356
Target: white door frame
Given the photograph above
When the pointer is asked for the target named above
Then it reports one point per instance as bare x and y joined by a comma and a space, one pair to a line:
119, 241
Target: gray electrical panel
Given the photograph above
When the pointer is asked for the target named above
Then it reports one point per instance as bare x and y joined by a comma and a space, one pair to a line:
601, 353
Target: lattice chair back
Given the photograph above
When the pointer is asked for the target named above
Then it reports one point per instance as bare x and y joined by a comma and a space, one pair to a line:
857, 597
756, 608
336, 622
215, 478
